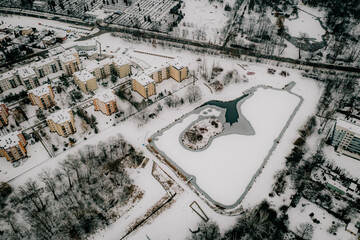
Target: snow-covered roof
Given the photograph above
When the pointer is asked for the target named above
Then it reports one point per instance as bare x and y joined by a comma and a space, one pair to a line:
70, 51
25, 72
68, 58
9, 140
83, 75
352, 186
151, 70
43, 62
119, 60
176, 64
40, 91
348, 125
352, 228
56, 51
6, 75
97, 64
144, 79
106, 96
48, 38
61, 116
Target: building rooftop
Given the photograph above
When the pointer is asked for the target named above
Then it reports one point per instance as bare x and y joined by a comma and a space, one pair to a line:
61, 116
40, 91
151, 70
120, 60
48, 38
96, 64
70, 51
6, 75
348, 125
176, 64
56, 51
84, 75
106, 95
25, 72
43, 62
68, 58
9, 140
144, 79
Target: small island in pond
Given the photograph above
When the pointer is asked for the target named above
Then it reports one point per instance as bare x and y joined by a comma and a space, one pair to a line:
198, 135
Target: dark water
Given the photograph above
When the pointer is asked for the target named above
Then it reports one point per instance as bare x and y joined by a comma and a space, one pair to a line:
231, 114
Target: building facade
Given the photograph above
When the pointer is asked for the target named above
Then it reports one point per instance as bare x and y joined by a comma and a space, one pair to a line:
69, 61
42, 96
144, 85
4, 113
86, 81
62, 122
45, 67
346, 138
105, 102
27, 76
122, 67
12, 146
100, 69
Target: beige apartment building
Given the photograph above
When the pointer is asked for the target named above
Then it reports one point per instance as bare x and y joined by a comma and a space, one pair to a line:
4, 113
69, 61
45, 67
121, 66
172, 69
144, 85
12, 146
62, 122
105, 102
100, 69
27, 76
42, 96
86, 81
178, 71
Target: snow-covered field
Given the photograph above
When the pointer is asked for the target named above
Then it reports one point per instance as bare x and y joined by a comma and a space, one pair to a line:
226, 167
302, 25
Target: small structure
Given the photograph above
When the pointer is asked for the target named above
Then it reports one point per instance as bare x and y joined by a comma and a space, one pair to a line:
62, 122
4, 113
144, 85
105, 102
48, 40
26, 31
42, 96
12, 146
86, 81
351, 228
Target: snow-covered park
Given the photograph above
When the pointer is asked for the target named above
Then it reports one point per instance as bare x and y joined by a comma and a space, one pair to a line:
224, 169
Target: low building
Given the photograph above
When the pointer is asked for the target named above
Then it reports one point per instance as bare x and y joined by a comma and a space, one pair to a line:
86, 81
26, 31
122, 66
48, 40
346, 138
105, 102
4, 113
27, 77
351, 228
100, 69
144, 85
42, 96
62, 122
12, 146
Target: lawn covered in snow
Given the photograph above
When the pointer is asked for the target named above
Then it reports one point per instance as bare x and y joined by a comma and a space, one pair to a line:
305, 24
225, 168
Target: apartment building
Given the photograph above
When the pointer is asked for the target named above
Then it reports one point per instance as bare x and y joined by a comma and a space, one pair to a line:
172, 69
346, 138
8, 80
100, 69
69, 61
144, 85
42, 96
62, 122
4, 113
45, 67
27, 76
178, 71
86, 81
121, 66
12, 146
105, 102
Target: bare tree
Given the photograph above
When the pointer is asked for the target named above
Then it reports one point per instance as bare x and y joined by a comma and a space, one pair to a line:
305, 230
194, 94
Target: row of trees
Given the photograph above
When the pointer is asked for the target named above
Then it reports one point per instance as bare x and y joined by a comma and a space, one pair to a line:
76, 199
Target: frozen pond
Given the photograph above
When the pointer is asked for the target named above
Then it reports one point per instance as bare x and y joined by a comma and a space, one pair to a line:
225, 169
